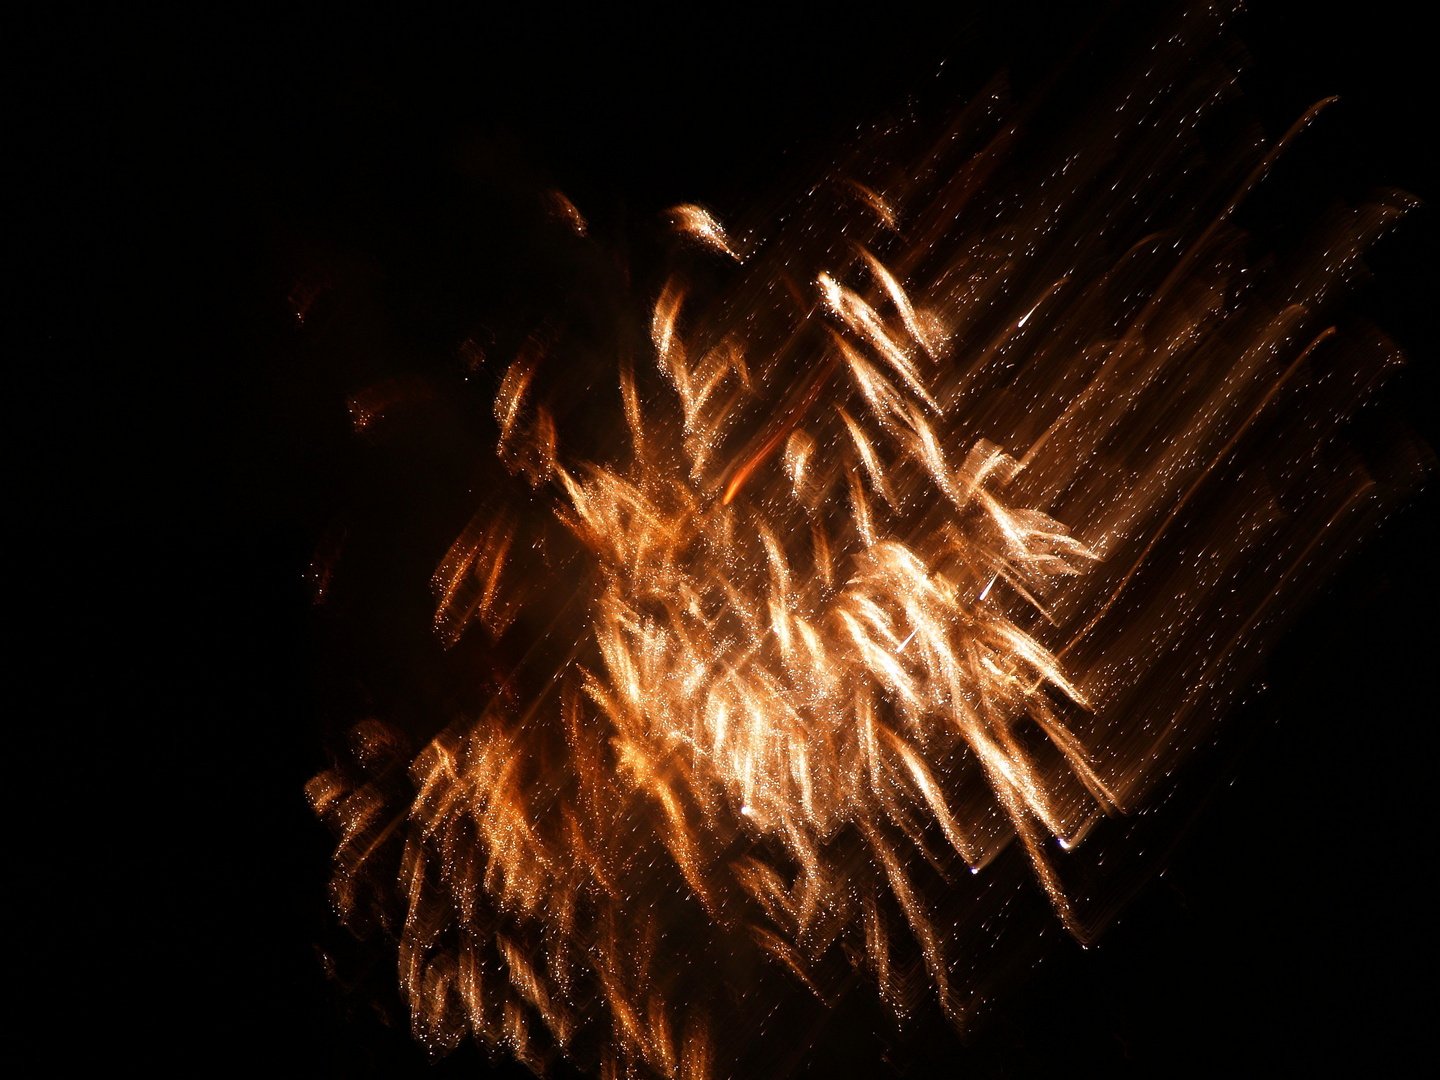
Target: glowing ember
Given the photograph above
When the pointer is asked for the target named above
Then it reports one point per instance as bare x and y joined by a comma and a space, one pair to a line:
924, 536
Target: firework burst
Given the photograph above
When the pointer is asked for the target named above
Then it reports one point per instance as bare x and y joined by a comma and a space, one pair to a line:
944, 511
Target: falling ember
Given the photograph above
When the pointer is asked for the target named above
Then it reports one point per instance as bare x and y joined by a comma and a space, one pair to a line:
953, 520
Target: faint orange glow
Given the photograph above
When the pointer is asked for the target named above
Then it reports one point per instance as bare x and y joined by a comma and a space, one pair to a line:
700, 225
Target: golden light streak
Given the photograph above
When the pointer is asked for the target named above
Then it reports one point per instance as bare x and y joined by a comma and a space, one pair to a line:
695, 222
876, 202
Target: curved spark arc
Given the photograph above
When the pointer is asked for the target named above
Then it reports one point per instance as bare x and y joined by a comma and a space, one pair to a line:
847, 623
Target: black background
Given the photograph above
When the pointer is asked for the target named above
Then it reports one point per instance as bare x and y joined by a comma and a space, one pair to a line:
195, 170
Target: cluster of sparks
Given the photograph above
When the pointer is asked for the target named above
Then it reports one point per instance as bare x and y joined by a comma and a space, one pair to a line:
870, 593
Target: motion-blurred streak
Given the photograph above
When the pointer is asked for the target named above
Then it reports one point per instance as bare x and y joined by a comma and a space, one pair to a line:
955, 517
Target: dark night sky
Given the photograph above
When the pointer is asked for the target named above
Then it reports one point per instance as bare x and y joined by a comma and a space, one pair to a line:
1292, 929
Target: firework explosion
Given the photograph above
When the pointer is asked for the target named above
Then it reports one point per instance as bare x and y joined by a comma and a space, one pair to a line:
943, 511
